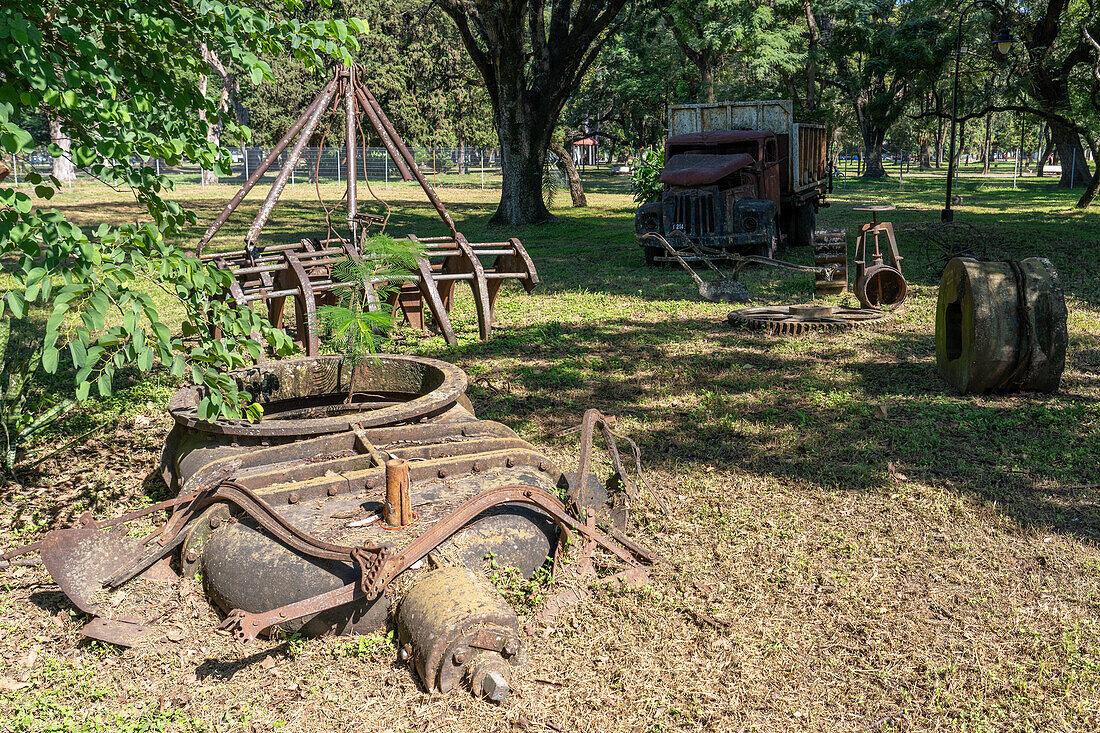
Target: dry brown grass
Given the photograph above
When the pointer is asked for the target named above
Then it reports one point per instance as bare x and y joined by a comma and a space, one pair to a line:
832, 570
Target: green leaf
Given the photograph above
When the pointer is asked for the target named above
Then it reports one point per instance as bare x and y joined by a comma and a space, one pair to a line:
16, 303
50, 356
79, 352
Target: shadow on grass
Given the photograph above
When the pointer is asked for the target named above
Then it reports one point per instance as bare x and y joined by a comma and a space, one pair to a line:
748, 399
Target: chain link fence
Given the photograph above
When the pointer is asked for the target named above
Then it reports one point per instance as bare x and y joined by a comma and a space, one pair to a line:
461, 166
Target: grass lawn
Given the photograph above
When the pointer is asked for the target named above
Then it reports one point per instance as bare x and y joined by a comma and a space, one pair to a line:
931, 565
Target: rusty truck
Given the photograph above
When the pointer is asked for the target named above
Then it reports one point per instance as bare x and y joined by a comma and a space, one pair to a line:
739, 178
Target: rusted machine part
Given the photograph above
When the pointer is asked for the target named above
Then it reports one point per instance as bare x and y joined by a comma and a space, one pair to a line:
723, 289
306, 397
792, 320
880, 284
273, 273
379, 566
287, 536
367, 100
831, 256
313, 117
351, 127
449, 260
79, 560
397, 511
1001, 326
332, 485
453, 625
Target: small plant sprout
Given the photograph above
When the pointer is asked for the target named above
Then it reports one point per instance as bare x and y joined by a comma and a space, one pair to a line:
358, 324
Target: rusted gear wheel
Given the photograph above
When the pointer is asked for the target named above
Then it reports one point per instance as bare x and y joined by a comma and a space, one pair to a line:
792, 320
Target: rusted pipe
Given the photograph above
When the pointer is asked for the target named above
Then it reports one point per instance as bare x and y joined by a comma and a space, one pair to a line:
397, 511
367, 99
352, 126
320, 100
277, 187
384, 136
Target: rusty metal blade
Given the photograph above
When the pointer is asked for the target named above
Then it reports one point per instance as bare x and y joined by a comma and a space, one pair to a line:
79, 560
120, 632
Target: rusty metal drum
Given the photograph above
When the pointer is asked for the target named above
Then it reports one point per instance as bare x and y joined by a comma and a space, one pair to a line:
320, 462
1001, 326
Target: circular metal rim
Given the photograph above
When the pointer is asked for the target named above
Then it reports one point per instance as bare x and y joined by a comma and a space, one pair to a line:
184, 406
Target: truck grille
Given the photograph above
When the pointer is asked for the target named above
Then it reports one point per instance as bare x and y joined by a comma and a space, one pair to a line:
695, 213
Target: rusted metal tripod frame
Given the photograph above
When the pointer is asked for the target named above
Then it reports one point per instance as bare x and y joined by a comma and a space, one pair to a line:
272, 274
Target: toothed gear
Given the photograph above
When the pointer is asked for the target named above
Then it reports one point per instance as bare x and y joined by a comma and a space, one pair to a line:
793, 320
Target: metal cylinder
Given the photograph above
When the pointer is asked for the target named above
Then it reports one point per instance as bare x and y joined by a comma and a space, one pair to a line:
881, 286
459, 627
397, 511
1001, 326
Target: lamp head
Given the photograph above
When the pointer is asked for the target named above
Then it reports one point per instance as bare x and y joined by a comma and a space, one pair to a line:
1004, 40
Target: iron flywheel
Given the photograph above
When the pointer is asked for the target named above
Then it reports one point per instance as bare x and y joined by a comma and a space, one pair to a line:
792, 320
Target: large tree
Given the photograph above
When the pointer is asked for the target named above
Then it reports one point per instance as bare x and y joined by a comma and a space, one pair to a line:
624, 97
1055, 48
531, 55
711, 33
883, 57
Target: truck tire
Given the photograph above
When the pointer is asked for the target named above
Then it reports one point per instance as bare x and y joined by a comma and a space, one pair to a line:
651, 255
805, 220
770, 247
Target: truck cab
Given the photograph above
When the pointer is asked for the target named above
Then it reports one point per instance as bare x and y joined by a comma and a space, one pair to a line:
721, 190
737, 191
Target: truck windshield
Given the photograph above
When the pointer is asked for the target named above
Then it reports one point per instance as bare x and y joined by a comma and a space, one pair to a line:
749, 147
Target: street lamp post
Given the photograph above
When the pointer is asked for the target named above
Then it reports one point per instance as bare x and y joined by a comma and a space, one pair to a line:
1003, 43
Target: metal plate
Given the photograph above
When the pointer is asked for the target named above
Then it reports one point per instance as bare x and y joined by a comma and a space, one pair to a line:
79, 560
120, 632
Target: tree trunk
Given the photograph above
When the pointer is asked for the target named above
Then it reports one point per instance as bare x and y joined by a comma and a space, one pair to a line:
63, 169
461, 157
925, 153
1094, 185
706, 71
228, 93
811, 67
523, 145
1075, 171
1046, 146
987, 144
872, 153
576, 189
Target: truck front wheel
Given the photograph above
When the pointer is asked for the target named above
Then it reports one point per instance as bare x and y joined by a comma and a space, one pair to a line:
770, 246
651, 255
